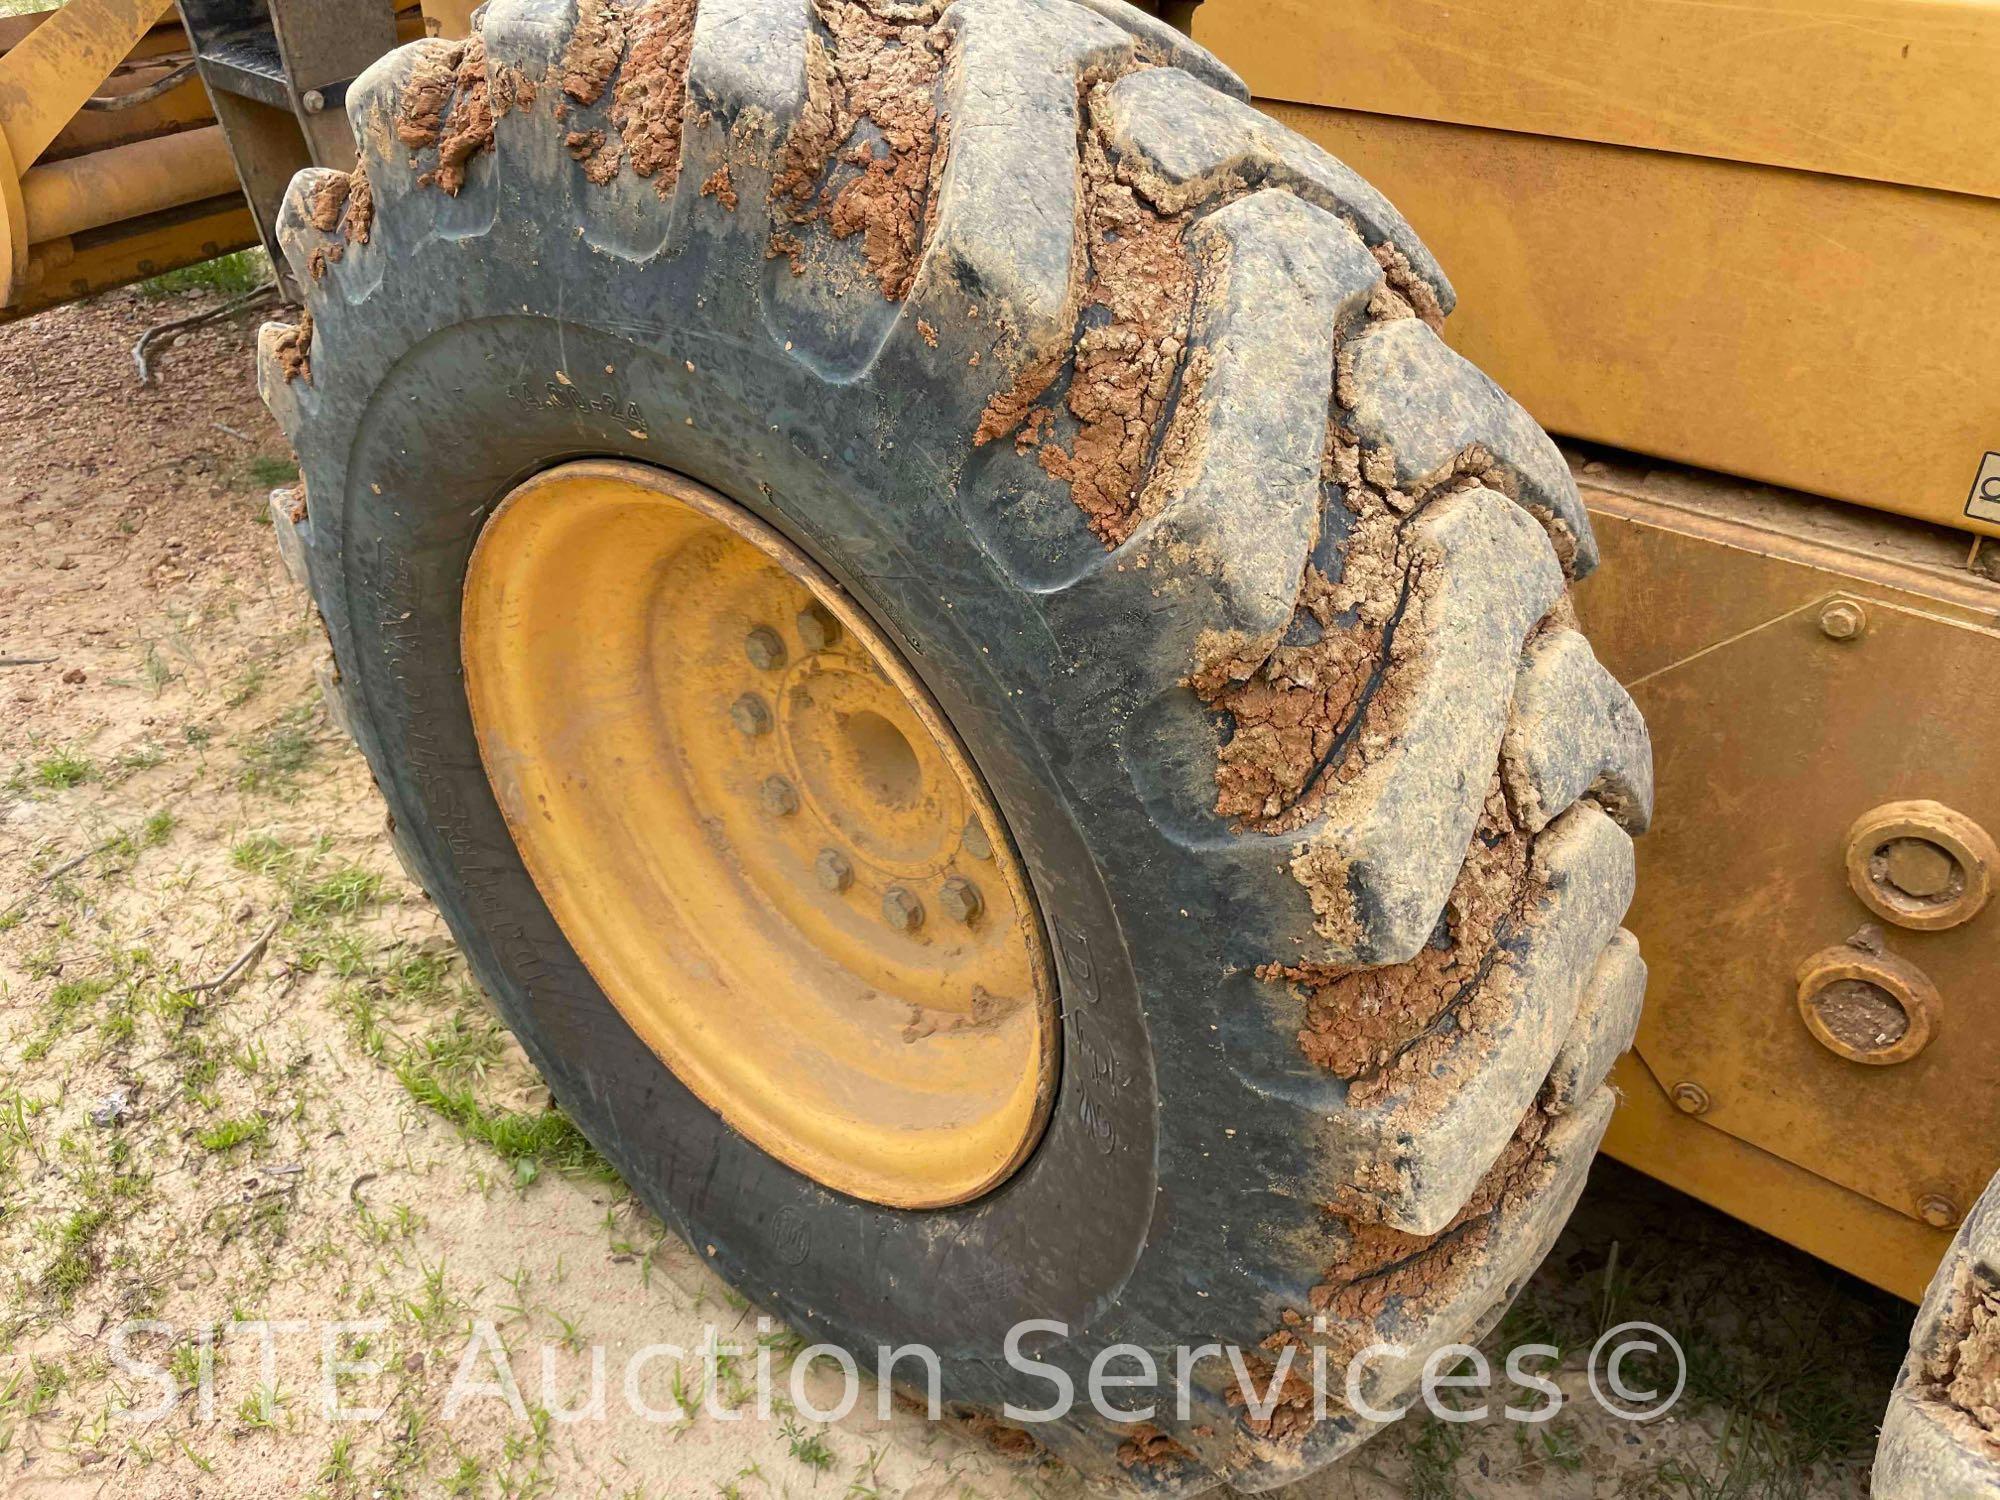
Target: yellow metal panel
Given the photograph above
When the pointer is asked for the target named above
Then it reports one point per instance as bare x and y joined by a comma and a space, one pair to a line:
63, 270
1821, 333
79, 178
1895, 90
93, 130
45, 78
1771, 738
66, 197
1823, 1219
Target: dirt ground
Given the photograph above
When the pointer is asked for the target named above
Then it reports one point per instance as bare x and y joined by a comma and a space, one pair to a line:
244, 1075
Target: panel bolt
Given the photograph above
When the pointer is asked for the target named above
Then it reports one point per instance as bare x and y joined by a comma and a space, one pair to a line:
764, 648
818, 629
1690, 1098
960, 900
750, 715
313, 100
901, 910
834, 872
778, 797
1843, 620
1937, 1210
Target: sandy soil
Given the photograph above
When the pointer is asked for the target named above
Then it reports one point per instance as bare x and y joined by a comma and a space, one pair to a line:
244, 1075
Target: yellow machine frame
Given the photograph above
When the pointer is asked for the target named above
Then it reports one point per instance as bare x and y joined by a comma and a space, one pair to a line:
90, 200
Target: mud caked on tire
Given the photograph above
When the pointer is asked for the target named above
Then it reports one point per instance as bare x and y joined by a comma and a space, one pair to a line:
1124, 411
1941, 1435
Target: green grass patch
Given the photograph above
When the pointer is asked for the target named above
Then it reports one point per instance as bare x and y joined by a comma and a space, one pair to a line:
227, 1135
71, 996
527, 1142
262, 854
139, 758
76, 1254
268, 471
273, 759
17, 1135
244, 271
341, 892
420, 977
63, 770
246, 686
153, 667
457, 1048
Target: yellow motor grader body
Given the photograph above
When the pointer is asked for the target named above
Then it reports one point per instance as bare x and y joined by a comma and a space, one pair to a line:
1749, 256
93, 198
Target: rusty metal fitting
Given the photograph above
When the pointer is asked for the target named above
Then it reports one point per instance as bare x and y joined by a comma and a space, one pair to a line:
1920, 864
779, 797
750, 715
765, 648
1691, 1099
901, 910
1866, 1006
960, 900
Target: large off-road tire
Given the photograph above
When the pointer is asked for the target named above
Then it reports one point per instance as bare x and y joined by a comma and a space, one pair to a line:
1124, 411
1941, 1436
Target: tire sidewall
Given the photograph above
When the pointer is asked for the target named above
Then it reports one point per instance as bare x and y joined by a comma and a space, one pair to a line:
1058, 1240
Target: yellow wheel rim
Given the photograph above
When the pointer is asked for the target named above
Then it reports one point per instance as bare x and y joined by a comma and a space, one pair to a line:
759, 834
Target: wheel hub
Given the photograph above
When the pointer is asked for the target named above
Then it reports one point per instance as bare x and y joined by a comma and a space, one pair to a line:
759, 833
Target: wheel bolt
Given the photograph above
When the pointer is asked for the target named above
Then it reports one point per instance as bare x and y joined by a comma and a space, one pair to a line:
818, 629
834, 872
901, 910
960, 900
765, 649
976, 843
750, 715
778, 797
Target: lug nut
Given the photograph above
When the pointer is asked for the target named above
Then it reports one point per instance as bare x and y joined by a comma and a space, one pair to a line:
834, 872
1690, 1098
1843, 620
1937, 1210
750, 715
976, 843
818, 629
901, 910
960, 900
765, 649
778, 797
